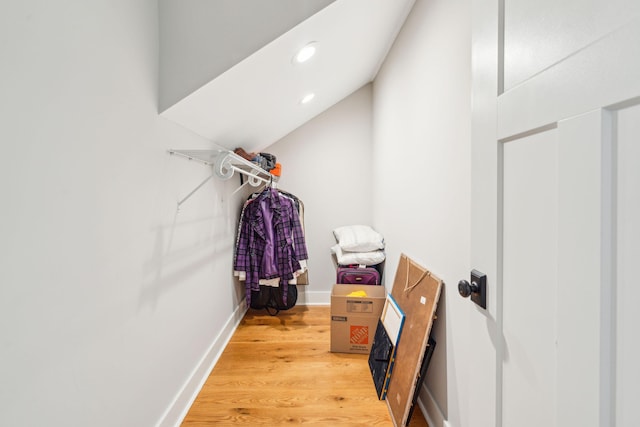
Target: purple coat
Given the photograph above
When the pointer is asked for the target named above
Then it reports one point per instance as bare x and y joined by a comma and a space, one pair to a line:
270, 242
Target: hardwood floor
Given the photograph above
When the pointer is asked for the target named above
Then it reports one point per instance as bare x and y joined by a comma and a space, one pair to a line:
279, 371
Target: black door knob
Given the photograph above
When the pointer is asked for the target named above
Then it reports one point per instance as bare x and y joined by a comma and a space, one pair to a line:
477, 289
465, 289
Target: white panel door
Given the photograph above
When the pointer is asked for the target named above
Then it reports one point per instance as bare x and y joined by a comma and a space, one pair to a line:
555, 212
529, 300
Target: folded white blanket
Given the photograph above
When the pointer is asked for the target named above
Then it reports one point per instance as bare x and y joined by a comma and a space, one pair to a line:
366, 258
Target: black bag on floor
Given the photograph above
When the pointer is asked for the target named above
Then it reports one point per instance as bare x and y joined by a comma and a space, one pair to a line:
271, 298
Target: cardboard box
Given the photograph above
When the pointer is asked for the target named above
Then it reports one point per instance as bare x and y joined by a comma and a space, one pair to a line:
354, 319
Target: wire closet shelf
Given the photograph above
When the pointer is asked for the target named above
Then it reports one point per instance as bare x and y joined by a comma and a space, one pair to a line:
225, 164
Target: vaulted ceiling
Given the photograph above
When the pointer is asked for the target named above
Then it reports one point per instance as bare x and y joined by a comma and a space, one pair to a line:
227, 71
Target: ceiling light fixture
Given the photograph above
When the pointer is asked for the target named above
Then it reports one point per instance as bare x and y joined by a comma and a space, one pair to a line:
307, 98
305, 53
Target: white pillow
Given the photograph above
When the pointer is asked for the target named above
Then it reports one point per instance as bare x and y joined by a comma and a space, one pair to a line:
358, 238
365, 258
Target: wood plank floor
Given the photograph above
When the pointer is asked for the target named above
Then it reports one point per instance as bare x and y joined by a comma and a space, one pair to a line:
279, 371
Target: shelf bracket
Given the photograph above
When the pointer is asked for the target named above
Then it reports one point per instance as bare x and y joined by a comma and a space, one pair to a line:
194, 190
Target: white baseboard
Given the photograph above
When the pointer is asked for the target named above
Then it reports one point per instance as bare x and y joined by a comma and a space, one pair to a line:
313, 298
430, 409
174, 415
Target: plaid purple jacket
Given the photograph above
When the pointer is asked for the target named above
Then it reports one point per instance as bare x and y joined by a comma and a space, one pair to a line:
290, 246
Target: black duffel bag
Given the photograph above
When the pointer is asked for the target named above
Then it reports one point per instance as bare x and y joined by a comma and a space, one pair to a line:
271, 298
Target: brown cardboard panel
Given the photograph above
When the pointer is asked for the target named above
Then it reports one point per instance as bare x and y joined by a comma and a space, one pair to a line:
417, 291
303, 279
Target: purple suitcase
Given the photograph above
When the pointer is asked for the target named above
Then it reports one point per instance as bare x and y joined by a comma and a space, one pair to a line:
358, 276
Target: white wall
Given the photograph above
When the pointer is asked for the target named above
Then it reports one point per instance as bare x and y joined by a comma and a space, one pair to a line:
327, 164
108, 297
421, 160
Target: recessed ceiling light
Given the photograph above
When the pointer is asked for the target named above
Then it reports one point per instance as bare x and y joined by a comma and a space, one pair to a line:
305, 53
307, 98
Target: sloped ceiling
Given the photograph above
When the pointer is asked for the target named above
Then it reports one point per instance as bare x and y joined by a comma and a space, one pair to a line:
236, 84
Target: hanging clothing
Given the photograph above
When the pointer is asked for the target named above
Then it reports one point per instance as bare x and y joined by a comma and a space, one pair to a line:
270, 245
